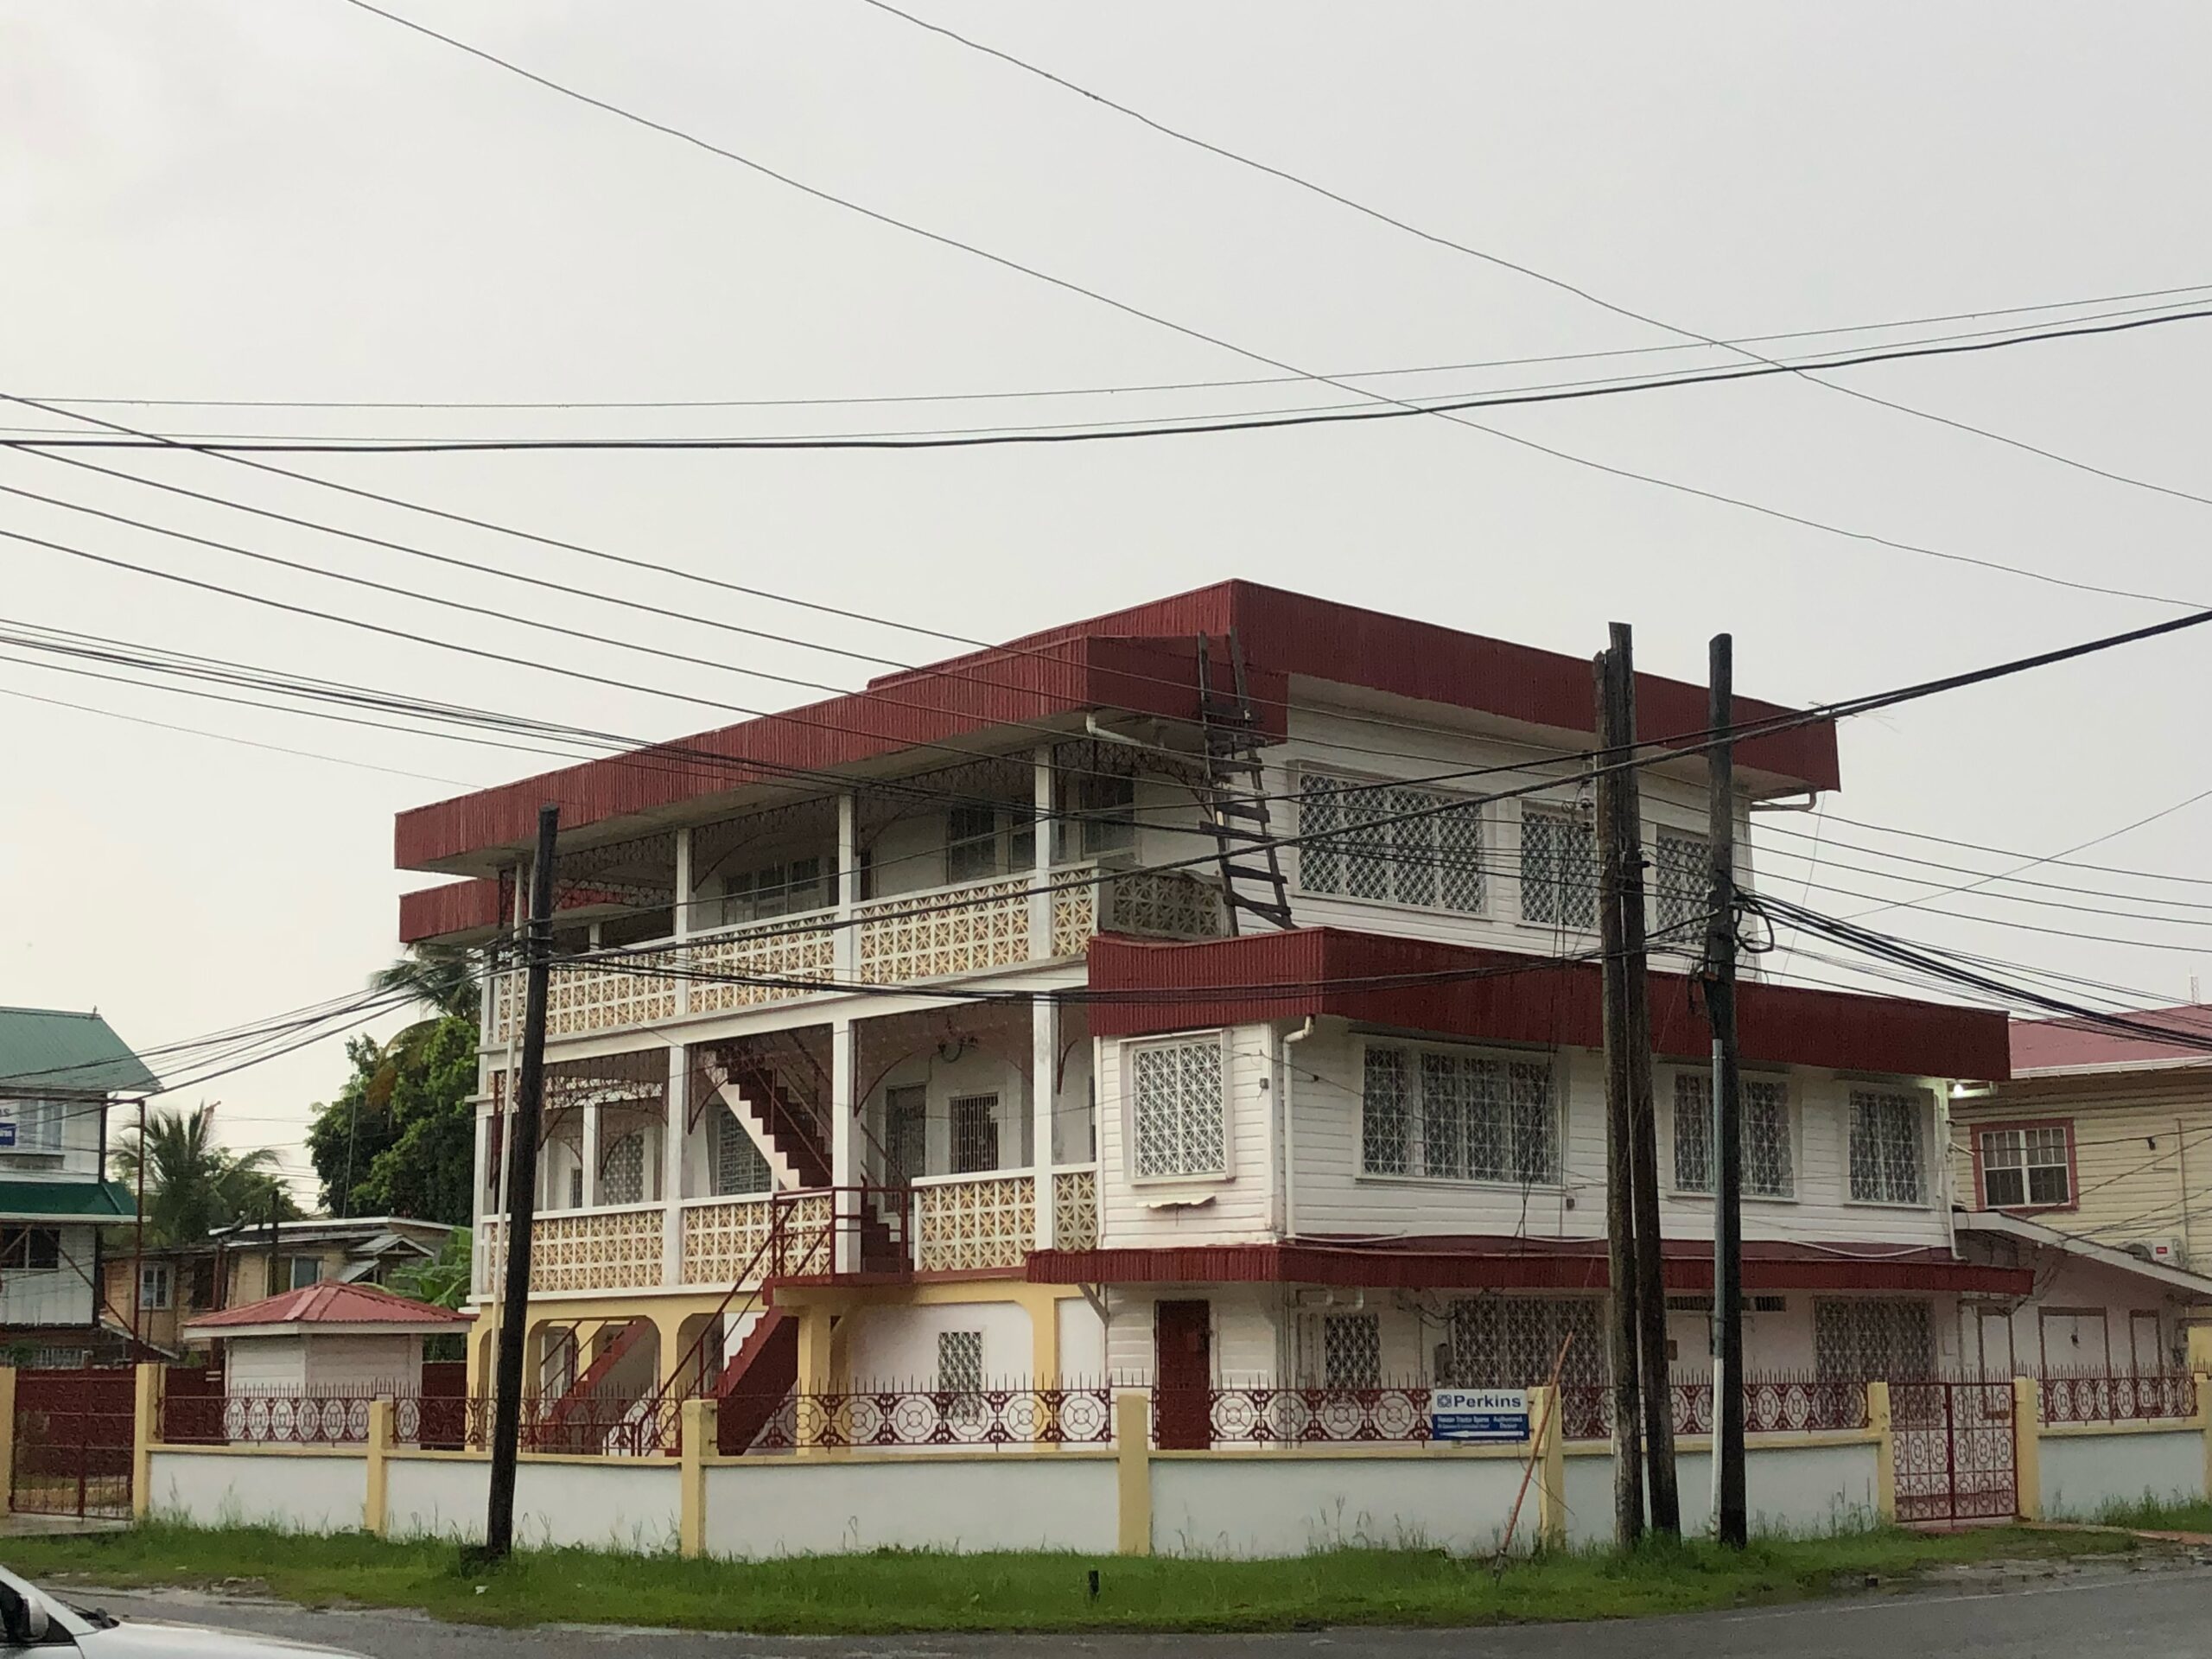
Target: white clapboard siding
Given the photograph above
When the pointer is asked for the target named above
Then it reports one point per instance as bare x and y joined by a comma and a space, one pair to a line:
1201, 1209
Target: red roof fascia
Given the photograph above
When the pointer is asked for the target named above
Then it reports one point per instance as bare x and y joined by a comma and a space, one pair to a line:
1499, 996
1530, 1268
999, 688
477, 906
331, 1303
2042, 1044
1135, 660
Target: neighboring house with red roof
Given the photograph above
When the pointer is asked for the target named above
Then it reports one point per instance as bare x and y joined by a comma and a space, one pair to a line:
951, 1029
2105, 1138
331, 1338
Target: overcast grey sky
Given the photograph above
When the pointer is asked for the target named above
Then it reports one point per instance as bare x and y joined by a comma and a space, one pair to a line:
244, 199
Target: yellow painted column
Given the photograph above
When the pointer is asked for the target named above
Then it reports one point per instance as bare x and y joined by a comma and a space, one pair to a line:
2204, 1422
691, 1521
1132, 1461
814, 1363
7, 1437
145, 1409
376, 1508
1885, 1452
1549, 1454
2027, 1448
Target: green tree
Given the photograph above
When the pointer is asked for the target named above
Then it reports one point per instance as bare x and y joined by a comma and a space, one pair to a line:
193, 1184
444, 1279
399, 1136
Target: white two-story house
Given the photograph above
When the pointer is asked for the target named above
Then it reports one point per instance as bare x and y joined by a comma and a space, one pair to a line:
904, 1036
60, 1071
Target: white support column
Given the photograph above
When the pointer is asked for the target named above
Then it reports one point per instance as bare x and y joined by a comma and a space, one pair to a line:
671, 1165
845, 1140
1044, 1063
1040, 902
479, 1180
682, 917
591, 1157
846, 951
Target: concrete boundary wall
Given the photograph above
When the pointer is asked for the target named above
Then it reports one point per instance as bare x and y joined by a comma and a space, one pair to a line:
1128, 1498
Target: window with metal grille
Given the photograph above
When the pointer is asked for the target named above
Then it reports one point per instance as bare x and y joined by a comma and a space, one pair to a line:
971, 843
2020, 1167
1859, 1340
1179, 1108
1108, 806
1453, 1115
1886, 1163
622, 1172
1351, 1351
1405, 846
1680, 872
975, 1134
1767, 1164
740, 1166
960, 1373
1559, 869
1512, 1342
906, 1129
784, 889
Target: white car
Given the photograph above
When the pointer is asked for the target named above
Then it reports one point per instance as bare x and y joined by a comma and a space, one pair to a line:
29, 1619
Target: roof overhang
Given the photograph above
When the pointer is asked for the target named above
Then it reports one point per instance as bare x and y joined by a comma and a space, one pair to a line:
318, 1328
1998, 1224
1531, 1265
1142, 988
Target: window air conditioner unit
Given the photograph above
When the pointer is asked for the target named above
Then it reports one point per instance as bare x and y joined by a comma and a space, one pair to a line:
1329, 1296
2160, 1252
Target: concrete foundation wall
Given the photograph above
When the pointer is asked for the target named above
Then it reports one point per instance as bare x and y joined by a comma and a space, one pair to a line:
1263, 1505
991, 1502
2083, 1473
302, 1493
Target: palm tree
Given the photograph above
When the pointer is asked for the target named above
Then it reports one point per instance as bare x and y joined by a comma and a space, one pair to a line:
193, 1186
443, 980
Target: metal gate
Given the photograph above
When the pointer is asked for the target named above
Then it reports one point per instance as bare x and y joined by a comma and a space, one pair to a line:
1954, 1443
73, 1442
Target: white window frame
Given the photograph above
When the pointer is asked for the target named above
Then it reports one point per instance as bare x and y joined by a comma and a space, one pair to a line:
158, 1273
1130, 1053
1923, 1117
1791, 1129
1413, 1050
1343, 785
2026, 1167
38, 1121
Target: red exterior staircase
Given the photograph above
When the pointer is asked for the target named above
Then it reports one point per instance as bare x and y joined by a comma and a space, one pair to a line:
793, 1126
754, 1381
597, 1372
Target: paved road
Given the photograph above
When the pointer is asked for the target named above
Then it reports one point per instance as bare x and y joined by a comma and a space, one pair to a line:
2163, 1613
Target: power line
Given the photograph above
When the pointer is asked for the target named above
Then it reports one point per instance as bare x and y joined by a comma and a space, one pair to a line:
1503, 264
1089, 432
1047, 392
1201, 335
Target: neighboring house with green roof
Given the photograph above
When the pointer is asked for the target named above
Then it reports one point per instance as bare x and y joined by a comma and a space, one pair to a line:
60, 1072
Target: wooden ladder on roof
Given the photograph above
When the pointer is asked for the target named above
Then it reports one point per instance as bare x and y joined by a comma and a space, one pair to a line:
1234, 796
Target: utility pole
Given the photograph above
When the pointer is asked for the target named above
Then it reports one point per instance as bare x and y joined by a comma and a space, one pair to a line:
1730, 1520
275, 1214
522, 1196
1620, 1219
138, 1246
1620, 814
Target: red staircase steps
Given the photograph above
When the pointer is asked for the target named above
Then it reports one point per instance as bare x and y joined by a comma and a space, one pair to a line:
790, 1124
754, 1381
583, 1389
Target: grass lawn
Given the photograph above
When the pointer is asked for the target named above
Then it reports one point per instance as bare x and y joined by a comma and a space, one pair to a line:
906, 1591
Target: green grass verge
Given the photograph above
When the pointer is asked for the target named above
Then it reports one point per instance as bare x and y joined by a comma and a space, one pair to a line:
2158, 1514
896, 1590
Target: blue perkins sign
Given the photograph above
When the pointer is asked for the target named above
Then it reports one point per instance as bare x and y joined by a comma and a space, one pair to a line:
1465, 1416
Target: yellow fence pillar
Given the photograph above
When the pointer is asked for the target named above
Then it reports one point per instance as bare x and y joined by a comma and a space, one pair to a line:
698, 1424
2027, 1448
1885, 1450
1133, 1458
1549, 1458
376, 1507
145, 1412
2204, 1421
7, 1437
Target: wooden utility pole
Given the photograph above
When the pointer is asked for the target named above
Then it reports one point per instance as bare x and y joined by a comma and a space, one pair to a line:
138, 1245
522, 1195
1621, 861
1620, 1219
1731, 1521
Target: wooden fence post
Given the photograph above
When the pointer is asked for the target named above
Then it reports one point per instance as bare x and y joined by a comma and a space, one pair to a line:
1133, 1455
2027, 1448
1885, 1452
7, 1439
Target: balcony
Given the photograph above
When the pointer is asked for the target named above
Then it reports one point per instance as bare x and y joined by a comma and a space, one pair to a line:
971, 927
956, 1223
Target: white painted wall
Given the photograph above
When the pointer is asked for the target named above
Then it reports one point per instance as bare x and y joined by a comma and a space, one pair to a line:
78, 1159
266, 1362
2082, 1473
62, 1295
1287, 1506
619, 1505
1083, 1341
897, 1346
991, 1502
979, 1071
1798, 1490
1247, 1332
1198, 1209
2084, 1317
303, 1493
346, 1364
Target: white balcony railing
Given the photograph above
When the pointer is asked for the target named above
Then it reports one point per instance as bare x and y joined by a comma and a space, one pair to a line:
723, 1238
966, 1222
1075, 1209
580, 1249
968, 928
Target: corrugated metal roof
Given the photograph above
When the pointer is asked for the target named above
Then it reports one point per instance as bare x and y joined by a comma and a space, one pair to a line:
77, 1200
331, 1303
43, 1049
